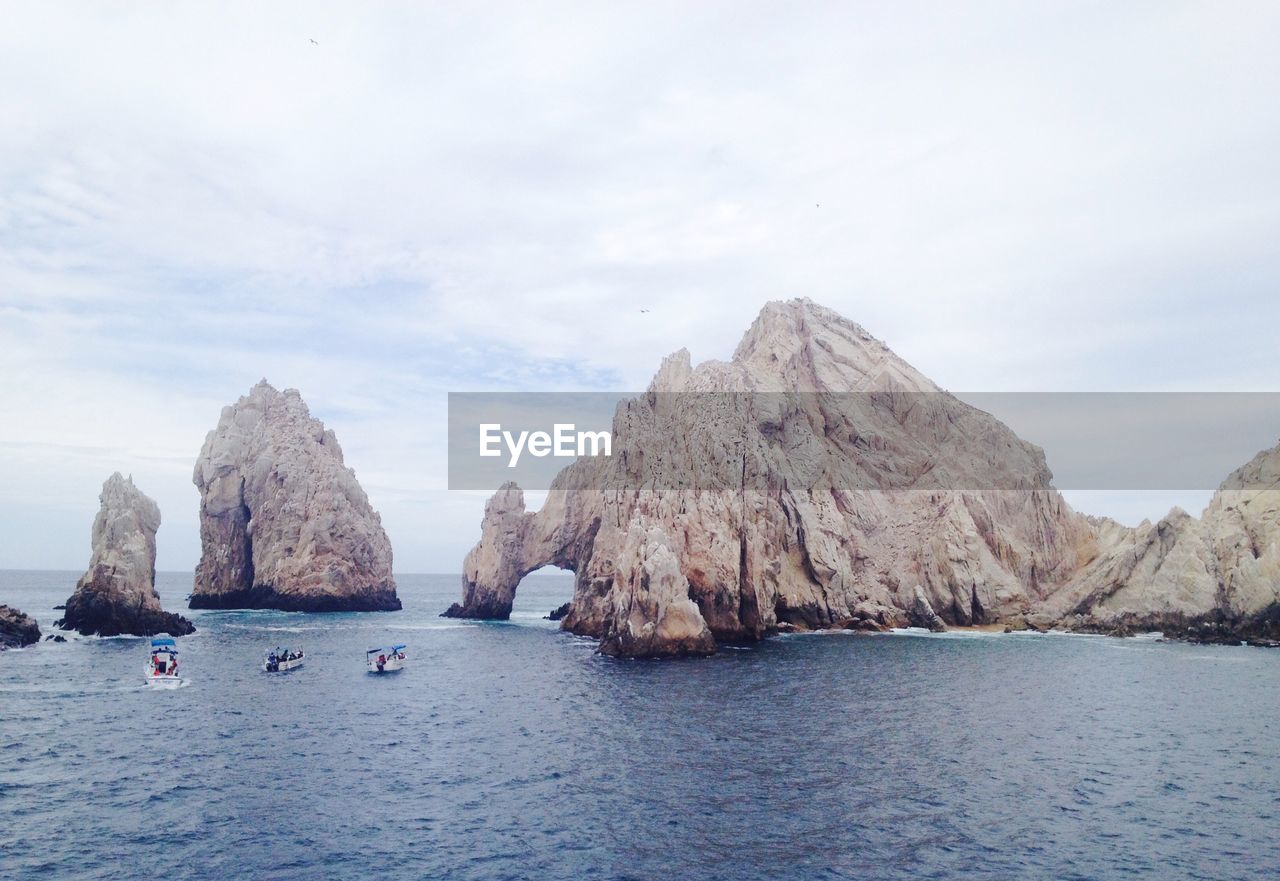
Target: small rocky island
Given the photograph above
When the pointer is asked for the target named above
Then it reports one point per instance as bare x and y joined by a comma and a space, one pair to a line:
284, 524
117, 595
832, 492
16, 629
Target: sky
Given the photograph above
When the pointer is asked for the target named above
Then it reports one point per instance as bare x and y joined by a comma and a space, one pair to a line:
436, 197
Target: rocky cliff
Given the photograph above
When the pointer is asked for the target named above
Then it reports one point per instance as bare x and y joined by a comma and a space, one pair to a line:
117, 595
1212, 579
284, 524
806, 509
16, 629
816, 480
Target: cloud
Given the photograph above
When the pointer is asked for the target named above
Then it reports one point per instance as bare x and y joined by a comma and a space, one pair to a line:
439, 197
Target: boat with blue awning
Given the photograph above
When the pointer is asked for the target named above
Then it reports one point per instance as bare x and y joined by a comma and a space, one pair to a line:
162, 665
387, 659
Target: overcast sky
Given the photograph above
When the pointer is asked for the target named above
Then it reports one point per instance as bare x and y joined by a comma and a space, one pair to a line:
437, 197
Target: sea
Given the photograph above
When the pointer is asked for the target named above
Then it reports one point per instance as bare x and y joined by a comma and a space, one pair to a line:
512, 750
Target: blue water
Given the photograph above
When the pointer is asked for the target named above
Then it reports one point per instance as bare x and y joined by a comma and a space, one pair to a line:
515, 751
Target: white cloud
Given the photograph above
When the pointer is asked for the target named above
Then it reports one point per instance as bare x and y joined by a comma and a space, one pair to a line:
440, 196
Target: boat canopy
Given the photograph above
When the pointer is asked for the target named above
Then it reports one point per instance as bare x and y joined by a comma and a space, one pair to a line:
163, 643
394, 648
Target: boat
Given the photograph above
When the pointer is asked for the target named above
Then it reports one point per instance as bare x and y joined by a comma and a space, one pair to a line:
282, 660
385, 660
162, 666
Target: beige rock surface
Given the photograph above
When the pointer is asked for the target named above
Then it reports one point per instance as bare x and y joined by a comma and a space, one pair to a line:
810, 507
284, 524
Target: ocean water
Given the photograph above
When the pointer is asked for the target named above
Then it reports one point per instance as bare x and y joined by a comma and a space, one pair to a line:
511, 750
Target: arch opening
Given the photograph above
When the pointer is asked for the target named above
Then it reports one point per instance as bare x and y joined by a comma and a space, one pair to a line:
543, 595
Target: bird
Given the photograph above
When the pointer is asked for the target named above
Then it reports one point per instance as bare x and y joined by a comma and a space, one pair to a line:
644, 310
314, 43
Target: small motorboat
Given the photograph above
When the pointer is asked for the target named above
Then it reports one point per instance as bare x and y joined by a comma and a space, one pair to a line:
162, 667
385, 660
282, 660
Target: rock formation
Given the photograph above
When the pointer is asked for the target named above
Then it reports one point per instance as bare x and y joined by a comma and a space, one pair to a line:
775, 499
283, 522
1213, 579
117, 595
16, 629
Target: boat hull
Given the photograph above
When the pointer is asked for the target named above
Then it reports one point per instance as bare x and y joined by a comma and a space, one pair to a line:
388, 667
284, 666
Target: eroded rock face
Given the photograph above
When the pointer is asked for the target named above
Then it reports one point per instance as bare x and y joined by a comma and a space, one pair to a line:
283, 522
891, 541
117, 595
16, 629
1213, 579
758, 555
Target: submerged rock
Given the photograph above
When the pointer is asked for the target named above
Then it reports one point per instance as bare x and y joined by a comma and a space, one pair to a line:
17, 629
558, 612
117, 595
284, 524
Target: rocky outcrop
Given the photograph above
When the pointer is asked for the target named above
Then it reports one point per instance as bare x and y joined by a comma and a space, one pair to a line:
117, 595
284, 524
808, 508
16, 629
921, 614
816, 480
1212, 579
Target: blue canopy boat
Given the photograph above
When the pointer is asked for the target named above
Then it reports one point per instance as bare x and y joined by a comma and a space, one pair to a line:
385, 660
162, 666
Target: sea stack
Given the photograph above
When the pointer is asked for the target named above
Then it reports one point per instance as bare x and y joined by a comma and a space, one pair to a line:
284, 524
816, 480
117, 595
16, 629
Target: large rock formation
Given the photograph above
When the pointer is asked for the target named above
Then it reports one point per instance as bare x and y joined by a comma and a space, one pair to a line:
1213, 579
817, 480
283, 522
117, 595
16, 629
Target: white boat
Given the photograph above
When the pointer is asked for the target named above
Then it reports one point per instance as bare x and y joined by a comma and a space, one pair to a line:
385, 660
162, 666
282, 660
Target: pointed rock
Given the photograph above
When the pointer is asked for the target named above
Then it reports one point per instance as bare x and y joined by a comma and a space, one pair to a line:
825, 482
283, 522
117, 595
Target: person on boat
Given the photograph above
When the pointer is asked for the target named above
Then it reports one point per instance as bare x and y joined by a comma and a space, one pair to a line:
173, 665
382, 661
